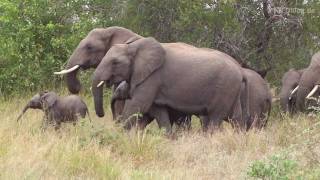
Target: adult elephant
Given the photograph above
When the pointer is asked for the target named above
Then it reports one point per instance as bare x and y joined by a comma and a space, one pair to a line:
309, 82
289, 87
91, 50
180, 76
259, 100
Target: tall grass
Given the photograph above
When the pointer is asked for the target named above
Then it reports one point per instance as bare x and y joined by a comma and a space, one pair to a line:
102, 150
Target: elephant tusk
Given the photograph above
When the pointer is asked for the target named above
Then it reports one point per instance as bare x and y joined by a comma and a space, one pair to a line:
100, 84
293, 91
313, 91
66, 71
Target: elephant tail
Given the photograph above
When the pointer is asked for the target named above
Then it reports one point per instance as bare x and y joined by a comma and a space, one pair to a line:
244, 99
268, 111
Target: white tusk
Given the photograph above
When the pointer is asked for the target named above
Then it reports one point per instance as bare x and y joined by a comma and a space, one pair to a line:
313, 91
100, 84
66, 71
294, 90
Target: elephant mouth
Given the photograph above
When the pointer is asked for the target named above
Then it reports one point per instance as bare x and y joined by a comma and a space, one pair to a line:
108, 83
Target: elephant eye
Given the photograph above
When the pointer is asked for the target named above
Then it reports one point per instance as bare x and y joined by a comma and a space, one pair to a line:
89, 47
115, 62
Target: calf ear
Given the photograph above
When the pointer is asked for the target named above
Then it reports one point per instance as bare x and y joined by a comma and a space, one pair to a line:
49, 99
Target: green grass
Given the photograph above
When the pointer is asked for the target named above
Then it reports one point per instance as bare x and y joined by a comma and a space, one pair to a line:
289, 148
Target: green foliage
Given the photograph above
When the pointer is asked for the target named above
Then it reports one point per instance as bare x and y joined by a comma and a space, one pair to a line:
278, 167
38, 36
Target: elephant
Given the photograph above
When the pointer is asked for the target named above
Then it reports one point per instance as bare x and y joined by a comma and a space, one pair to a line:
121, 92
260, 100
90, 52
57, 109
170, 74
309, 83
289, 87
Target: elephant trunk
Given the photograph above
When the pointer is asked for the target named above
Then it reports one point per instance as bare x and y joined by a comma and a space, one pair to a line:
98, 98
23, 111
72, 81
284, 99
301, 95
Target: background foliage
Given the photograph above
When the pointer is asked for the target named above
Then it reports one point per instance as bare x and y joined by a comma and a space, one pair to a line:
38, 36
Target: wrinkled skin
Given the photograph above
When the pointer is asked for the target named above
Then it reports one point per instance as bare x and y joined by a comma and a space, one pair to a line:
57, 109
309, 78
92, 49
290, 80
170, 75
259, 100
121, 92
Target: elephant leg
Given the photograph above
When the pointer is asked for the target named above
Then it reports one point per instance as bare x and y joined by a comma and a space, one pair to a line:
219, 110
117, 108
184, 122
140, 103
162, 116
57, 125
204, 120
144, 121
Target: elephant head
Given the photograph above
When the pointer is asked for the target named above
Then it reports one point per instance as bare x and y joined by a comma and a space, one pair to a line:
289, 85
34, 103
91, 50
133, 63
309, 82
48, 100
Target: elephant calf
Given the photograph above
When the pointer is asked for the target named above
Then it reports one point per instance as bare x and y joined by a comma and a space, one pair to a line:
121, 92
57, 109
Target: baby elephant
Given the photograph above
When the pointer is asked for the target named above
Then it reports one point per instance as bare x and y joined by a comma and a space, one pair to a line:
57, 109
121, 92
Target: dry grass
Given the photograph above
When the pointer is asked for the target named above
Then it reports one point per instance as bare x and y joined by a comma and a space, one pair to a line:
100, 150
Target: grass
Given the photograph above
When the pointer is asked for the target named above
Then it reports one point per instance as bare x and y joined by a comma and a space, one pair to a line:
289, 148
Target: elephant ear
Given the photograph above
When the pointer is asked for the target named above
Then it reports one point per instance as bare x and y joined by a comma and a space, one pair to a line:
49, 98
147, 56
132, 39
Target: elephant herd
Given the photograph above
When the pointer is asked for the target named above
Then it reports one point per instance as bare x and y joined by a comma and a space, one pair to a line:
170, 82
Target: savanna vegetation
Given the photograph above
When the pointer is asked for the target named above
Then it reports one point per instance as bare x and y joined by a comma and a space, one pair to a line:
38, 36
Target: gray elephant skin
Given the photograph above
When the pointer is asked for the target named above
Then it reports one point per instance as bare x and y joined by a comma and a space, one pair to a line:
309, 81
90, 51
121, 92
57, 109
289, 83
170, 74
260, 100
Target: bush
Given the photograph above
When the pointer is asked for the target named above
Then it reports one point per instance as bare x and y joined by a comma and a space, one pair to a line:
278, 168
